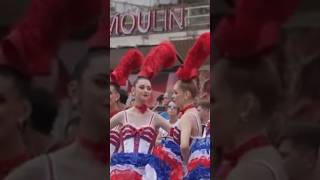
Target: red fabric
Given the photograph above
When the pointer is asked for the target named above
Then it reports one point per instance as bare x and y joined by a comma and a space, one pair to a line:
7, 166
230, 160
195, 58
184, 109
98, 150
176, 166
253, 143
129, 62
124, 175
161, 56
142, 108
205, 162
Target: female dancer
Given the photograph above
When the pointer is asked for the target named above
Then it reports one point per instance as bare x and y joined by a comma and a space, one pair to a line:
247, 92
139, 124
188, 124
130, 61
86, 157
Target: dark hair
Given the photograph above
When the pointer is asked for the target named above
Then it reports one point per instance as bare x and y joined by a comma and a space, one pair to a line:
258, 77
308, 84
84, 62
123, 96
206, 86
44, 110
303, 134
139, 78
189, 86
160, 98
204, 104
21, 81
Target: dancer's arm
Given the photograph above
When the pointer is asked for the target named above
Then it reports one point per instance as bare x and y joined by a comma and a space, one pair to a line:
186, 129
163, 123
117, 119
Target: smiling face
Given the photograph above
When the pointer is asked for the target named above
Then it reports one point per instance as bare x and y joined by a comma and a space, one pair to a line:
142, 90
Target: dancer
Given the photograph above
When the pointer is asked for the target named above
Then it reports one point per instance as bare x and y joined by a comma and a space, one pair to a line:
194, 147
169, 150
139, 124
185, 92
130, 61
86, 157
247, 93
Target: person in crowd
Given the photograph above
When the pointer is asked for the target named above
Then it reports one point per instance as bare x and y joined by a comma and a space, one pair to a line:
15, 108
159, 107
173, 118
37, 129
172, 111
204, 112
86, 157
167, 98
139, 124
299, 149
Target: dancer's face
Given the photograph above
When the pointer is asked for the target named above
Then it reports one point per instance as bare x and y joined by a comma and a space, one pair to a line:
114, 96
179, 96
142, 90
91, 90
12, 108
225, 109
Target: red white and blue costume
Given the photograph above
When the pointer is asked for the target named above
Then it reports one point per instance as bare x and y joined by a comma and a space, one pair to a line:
199, 160
136, 160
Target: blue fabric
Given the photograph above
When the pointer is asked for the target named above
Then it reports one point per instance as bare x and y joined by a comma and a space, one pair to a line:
140, 160
161, 168
173, 146
165, 115
135, 159
197, 173
203, 143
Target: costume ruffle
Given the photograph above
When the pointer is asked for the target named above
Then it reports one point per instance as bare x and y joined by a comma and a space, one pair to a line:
199, 160
169, 153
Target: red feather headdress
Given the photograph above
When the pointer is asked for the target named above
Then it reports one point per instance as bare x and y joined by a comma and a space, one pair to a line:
254, 28
161, 56
195, 58
130, 61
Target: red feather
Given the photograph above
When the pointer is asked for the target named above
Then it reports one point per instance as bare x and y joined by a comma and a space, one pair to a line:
129, 62
195, 58
161, 56
266, 10
254, 29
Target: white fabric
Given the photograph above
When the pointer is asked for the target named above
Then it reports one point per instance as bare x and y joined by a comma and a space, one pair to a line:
112, 149
199, 154
127, 167
128, 145
150, 173
143, 146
